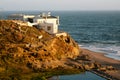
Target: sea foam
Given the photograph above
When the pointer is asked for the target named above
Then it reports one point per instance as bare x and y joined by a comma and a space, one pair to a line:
111, 51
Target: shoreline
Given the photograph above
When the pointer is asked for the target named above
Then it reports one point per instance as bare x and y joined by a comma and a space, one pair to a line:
99, 57
103, 60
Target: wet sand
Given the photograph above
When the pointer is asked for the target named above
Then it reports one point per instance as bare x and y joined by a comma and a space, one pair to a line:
103, 60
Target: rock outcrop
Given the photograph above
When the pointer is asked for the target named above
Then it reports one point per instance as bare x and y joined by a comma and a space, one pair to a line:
31, 51
32, 48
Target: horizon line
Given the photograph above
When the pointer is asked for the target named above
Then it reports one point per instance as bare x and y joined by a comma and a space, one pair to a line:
57, 10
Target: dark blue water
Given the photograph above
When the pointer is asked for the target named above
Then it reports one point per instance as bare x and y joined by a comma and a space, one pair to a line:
82, 76
95, 30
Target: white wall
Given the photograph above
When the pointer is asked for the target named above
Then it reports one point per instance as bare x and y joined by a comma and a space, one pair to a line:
25, 17
44, 23
48, 20
49, 27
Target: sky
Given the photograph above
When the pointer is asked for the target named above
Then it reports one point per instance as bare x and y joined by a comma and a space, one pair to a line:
48, 5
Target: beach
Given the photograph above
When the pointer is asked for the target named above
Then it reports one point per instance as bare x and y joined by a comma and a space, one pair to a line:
103, 60
94, 57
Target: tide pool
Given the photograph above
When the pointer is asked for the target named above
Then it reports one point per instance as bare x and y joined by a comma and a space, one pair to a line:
82, 76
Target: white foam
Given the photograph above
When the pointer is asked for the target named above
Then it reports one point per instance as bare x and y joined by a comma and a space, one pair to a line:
118, 53
112, 51
80, 45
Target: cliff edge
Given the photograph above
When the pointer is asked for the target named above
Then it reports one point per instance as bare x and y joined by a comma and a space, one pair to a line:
26, 48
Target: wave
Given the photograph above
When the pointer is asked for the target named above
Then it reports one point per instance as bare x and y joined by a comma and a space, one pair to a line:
98, 41
110, 50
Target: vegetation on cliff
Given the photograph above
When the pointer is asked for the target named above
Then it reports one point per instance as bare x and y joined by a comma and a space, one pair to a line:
27, 50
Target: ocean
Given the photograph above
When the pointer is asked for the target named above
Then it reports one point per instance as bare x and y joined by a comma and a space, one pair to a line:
82, 76
98, 31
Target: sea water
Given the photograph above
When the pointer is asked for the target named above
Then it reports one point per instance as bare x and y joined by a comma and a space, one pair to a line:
82, 76
94, 30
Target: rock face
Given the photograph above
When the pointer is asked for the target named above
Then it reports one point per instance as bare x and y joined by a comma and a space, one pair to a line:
33, 48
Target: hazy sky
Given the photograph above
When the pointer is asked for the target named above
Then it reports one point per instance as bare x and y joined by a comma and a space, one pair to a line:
60, 5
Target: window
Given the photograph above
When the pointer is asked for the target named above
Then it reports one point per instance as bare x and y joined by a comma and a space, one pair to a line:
49, 28
56, 21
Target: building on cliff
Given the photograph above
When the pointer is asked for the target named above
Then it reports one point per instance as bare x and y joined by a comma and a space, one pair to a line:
45, 21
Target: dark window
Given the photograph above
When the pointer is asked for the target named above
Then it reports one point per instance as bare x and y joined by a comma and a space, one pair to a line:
49, 28
30, 20
56, 21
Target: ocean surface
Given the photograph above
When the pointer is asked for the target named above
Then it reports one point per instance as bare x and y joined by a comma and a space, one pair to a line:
82, 76
94, 30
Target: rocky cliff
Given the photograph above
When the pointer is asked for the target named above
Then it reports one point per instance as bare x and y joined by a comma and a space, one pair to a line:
27, 48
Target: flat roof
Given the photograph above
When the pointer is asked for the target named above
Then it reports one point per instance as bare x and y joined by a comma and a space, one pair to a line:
50, 17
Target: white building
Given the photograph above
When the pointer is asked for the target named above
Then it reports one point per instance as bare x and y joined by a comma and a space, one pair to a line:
45, 21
